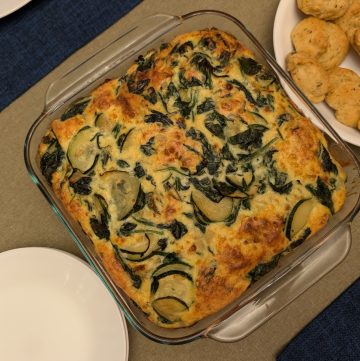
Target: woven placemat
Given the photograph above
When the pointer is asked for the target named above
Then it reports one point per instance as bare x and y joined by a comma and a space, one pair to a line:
334, 335
38, 37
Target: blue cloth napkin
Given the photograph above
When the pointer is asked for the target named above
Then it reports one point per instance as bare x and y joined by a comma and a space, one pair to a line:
38, 37
334, 335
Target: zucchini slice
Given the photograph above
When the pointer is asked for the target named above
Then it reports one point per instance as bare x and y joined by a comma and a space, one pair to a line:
169, 274
83, 149
122, 190
204, 221
176, 285
241, 182
152, 249
178, 266
136, 246
143, 257
103, 123
298, 217
215, 212
169, 308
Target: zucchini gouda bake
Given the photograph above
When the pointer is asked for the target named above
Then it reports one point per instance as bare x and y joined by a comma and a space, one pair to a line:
191, 174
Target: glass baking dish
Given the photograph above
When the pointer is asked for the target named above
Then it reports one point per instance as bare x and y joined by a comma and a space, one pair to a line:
295, 272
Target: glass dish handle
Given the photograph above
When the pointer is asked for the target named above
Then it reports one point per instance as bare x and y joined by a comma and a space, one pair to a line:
290, 287
105, 59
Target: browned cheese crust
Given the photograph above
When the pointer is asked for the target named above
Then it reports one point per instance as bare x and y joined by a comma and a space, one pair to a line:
191, 174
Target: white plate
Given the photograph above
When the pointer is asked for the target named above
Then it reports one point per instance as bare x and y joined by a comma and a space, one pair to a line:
54, 307
9, 6
287, 16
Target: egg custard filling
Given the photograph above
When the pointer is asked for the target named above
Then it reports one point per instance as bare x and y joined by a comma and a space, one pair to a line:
191, 174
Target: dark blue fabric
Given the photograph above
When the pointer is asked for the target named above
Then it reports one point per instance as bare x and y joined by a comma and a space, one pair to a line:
38, 37
334, 335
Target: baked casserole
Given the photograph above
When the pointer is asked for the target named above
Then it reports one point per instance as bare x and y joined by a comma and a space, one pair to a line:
191, 174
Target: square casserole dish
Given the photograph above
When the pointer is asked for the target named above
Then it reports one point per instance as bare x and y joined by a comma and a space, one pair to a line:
295, 272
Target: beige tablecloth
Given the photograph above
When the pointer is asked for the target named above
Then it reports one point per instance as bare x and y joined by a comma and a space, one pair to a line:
27, 219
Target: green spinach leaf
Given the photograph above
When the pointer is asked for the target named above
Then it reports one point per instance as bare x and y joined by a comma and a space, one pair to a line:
226, 153
82, 186
122, 163
277, 181
151, 95
51, 160
263, 268
205, 106
249, 139
100, 228
158, 117
145, 63
148, 148
224, 58
116, 130
211, 160
215, 129
326, 161
127, 228
183, 48
224, 188
139, 170
202, 63
75, 109
246, 92
322, 193
267, 100
207, 43
162, 243
282, 118
249, 66
205, 186
188, 83
137, 87
215, 124
178, 229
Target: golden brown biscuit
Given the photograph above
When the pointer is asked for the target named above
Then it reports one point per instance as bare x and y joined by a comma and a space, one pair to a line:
345, 99
309, 36
347, 93
355, 42
322, 40
340, 75
350, 23
324, 9
309, 75
337, 49
349, 115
